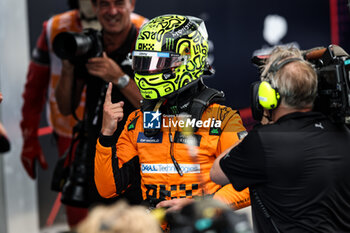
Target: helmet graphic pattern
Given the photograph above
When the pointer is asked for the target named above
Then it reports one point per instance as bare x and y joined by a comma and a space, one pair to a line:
183, 35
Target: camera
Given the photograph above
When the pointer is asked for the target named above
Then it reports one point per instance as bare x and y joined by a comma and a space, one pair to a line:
207, 216
71, 173
332, 66
75, 189
78, 47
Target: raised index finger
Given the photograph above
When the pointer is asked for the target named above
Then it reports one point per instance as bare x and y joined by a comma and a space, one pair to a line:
108, 97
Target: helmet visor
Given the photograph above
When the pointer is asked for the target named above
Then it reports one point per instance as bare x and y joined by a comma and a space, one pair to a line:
154, 62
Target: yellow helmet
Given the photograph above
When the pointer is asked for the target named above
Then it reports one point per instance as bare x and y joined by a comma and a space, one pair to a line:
171, 52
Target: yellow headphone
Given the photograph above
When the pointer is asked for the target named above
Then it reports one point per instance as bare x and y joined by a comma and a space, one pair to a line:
268, 96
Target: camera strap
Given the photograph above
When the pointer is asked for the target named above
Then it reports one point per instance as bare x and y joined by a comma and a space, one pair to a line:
263, 208
79, 129
100, 103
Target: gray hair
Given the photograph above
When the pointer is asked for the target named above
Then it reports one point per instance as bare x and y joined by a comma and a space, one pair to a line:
296, 81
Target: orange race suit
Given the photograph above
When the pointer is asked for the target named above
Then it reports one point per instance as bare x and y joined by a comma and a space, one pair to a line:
115, 164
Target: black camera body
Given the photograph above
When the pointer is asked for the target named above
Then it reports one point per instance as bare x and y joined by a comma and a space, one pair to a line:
71, 172
78, 47
333, 94
75, 189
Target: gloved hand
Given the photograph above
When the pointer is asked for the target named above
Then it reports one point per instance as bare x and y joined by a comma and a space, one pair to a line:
31, 152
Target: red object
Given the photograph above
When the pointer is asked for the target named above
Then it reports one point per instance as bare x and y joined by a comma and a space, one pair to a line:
333, 7
54, 211
44, 131
247, 118
74, 215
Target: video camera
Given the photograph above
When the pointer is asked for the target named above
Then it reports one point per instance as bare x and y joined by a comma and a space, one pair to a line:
78, 47
332, 66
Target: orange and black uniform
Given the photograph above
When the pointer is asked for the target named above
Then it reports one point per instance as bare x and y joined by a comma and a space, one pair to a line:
116, 164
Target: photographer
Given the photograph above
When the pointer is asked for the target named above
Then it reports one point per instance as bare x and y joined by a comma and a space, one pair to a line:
118, 38
42, 76
297, 165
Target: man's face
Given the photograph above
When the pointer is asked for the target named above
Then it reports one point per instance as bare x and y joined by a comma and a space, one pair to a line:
114, 15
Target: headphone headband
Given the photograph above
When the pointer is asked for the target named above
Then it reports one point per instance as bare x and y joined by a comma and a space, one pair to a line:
276, 67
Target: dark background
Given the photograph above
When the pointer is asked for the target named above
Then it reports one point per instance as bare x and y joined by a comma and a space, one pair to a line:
235, 28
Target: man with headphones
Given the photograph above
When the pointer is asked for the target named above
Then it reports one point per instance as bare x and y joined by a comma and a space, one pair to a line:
296, 165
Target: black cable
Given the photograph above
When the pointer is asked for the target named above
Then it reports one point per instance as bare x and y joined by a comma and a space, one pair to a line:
263, 208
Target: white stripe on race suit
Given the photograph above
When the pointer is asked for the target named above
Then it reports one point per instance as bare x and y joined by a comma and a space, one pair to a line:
169, 168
